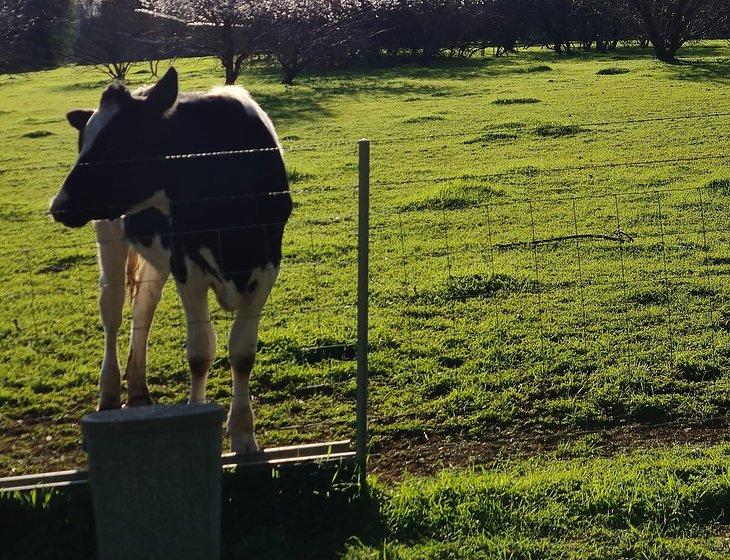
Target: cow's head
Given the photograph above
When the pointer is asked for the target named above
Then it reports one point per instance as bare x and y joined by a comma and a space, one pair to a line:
105, 182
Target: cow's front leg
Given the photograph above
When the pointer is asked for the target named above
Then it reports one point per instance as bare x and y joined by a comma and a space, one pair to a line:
112, 257
201, 339
149, 285
242, 346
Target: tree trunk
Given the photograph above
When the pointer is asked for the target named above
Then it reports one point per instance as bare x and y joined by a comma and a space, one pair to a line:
228, 68
663, 52
428, 54
289, 72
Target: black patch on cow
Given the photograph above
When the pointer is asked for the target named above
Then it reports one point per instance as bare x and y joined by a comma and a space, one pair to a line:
220, 203
143, 226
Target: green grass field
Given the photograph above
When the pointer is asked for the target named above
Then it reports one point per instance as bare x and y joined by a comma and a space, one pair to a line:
467, 339
478, 336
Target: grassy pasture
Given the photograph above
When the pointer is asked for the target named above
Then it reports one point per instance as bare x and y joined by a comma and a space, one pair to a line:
476, 333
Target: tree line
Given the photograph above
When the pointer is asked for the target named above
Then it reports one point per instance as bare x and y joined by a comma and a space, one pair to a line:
299, 34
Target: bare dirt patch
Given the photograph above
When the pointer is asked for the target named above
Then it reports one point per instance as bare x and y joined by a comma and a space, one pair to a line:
394, 459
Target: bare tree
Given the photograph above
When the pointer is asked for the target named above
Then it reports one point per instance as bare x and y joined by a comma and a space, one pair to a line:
15, 24
34, 34
669, 24
222, 28
504, 23
301, 33
109, 35
425, 27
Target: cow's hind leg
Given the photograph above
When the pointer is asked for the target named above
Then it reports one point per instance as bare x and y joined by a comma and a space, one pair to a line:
201, 339
112, 256
242, 345
149, 285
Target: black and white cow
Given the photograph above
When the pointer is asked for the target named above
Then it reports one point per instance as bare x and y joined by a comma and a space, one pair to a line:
213, 221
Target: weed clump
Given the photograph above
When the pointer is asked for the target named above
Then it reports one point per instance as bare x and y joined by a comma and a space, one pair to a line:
438, 385
423, 119
66, 263
450, 197
475, 285
491, 137
557, 130
38, 134
612, 71
539, 68
515, 101
719, 186
296, 176
698, 368
649, 297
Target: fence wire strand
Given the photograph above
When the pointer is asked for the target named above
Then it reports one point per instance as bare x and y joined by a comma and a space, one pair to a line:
444, 224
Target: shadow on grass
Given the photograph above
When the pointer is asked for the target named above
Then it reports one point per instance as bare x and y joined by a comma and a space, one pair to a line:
299, 514
701, 70
402, 75
293, 105
293, 512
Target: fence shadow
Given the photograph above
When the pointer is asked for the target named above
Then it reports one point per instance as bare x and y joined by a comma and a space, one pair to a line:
295, 512
301, 512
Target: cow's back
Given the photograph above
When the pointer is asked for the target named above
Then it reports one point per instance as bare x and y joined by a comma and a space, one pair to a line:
228, 196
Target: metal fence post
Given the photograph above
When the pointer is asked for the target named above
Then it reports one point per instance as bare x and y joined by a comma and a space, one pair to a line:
362, 307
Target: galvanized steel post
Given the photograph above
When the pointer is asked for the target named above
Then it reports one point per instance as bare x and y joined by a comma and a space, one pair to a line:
362, 307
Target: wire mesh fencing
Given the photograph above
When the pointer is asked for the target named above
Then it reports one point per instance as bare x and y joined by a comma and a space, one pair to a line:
564, 311
488, 310
303, 384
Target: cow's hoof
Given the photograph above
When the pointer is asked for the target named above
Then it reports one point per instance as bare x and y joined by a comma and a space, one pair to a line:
140, 400
109, 404
245, 443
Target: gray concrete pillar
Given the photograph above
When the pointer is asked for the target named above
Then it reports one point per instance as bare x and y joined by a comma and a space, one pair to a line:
155, 476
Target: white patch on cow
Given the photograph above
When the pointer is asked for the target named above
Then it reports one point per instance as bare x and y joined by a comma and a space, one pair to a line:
112, 259
242, 345
156, 253
101, 117
158, 200
208, 257
200, 343
226, 292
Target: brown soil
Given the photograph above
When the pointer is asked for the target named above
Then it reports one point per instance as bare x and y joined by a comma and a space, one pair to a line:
26, 446
392, 460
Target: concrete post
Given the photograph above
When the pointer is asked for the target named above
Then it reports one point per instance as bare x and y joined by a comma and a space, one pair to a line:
155, 474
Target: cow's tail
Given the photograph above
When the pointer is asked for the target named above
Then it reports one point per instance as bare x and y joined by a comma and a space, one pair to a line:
134, 267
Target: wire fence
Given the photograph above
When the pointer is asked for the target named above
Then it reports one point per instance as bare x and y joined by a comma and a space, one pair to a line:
307, 338
588, 310
486, 309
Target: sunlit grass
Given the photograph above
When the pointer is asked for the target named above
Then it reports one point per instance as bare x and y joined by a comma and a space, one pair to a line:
467, 337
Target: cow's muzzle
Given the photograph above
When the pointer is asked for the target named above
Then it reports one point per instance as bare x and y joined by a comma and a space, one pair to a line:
63, 213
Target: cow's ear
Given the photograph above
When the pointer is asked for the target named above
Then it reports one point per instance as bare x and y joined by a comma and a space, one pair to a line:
79, 117
164, 94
